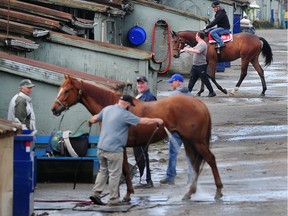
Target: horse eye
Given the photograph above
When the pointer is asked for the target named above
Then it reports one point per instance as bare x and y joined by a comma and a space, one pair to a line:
66, 91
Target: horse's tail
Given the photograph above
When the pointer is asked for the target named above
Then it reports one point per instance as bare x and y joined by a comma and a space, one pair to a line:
266, 52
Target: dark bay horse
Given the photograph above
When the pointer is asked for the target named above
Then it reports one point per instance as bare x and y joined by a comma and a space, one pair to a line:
186, 115
244, 45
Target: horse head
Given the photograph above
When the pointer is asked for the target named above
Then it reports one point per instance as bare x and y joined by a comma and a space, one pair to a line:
178, 43
68, 95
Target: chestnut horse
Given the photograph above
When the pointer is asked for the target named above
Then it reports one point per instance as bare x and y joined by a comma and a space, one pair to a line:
244, 45
186, 115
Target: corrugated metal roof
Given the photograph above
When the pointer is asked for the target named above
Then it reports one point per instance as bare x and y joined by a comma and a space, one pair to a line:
81, 4
23, 19
9, 128
29, 19
18, 42
51, 73
35, 9
126, 52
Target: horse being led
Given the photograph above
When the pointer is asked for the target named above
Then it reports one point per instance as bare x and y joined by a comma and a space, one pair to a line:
186, 115
244, 45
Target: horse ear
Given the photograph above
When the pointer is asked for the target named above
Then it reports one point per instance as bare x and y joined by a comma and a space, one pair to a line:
66, 76
173, 33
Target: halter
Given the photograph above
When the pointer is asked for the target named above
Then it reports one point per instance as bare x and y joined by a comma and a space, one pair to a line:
61, 104
78, 99
180, 42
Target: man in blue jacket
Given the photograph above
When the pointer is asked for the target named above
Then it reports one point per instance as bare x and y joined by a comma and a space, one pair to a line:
141, 152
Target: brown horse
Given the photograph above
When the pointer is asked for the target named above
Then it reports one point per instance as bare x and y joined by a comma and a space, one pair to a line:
244, 45
186, 115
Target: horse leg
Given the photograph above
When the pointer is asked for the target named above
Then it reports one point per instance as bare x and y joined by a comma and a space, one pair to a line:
193, 186
244, 66
258, 68
203, 149
126, 173
194, 170
212, 69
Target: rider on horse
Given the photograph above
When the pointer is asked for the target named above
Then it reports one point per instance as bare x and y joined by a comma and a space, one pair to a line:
222, 22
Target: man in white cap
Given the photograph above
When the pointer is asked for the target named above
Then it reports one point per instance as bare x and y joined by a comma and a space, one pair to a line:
21, 108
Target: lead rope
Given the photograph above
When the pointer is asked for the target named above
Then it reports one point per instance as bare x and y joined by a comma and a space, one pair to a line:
61, 121
81, 159
142, 155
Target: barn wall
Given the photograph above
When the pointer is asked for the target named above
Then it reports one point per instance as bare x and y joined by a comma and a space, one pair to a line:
146, 15
101, 59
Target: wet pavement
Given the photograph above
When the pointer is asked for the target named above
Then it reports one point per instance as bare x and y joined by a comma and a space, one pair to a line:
249, 140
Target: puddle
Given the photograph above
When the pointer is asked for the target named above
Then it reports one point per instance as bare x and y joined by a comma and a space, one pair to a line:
251, 132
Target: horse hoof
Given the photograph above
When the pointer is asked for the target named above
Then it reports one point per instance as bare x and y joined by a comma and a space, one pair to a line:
225, 91
198, 94
262, 94
232, 94
125, 199
218, 196
186, 197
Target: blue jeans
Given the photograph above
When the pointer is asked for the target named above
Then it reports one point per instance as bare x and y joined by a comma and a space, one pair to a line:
216, 34
174, 146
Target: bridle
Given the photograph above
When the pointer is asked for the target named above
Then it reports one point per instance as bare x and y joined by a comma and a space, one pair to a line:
61, 104
80, 91
180, 44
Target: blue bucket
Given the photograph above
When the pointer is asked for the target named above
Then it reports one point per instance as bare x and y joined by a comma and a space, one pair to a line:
136, 35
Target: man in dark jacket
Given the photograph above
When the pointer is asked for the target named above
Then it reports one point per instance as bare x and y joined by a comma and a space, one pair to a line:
222, 22
141, 152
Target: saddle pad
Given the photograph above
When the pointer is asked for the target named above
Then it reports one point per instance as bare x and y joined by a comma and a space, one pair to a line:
68, 144
224, 37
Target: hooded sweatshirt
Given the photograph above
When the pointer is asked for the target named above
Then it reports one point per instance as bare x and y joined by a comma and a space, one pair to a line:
181, 90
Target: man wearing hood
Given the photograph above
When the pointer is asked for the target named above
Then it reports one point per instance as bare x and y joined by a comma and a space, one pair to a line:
175, 143
222, 22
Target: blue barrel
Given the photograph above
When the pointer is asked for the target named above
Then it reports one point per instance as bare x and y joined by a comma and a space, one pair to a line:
236, 23
136, 35
220, 67
227, 64
24, 175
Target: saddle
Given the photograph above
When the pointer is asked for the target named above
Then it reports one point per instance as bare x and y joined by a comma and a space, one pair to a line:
224, 37
64, 143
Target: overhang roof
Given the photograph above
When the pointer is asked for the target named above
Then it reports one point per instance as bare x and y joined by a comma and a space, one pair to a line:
49, 73
36, 18
9, 128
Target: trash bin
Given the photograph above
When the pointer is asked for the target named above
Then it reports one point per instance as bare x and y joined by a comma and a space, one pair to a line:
24, 175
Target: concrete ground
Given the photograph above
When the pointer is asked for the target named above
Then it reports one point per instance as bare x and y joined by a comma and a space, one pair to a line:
249, 142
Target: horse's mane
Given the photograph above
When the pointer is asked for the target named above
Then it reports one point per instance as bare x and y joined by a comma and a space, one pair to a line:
105, 92
189, 39
187, 31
